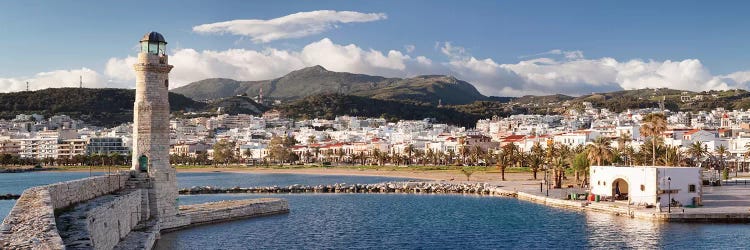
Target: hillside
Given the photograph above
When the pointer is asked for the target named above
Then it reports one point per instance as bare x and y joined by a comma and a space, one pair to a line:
111, 107
100, 107
328, 106
236, 105
317, 80
622, 100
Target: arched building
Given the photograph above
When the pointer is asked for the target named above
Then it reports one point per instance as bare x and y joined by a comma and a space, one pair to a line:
647, 185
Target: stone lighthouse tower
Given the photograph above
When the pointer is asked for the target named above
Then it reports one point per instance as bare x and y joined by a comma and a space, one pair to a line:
151, 127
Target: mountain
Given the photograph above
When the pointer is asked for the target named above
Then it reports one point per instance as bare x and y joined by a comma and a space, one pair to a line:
99, 107
317, 80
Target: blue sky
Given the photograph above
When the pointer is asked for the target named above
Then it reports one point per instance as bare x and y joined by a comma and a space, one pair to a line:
636, 43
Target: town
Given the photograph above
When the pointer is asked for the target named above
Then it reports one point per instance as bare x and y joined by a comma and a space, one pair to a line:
716, 140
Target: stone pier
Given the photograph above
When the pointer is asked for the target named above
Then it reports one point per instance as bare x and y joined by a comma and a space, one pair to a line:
109, 212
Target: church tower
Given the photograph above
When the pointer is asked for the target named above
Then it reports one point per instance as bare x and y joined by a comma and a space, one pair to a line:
151, 126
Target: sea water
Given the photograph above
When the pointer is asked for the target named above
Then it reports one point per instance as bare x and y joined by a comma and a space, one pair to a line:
407, 221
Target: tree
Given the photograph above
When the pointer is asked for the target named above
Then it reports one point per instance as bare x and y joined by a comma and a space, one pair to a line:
721, 151
224, 151
276, 149
671, 156
696, 150
600, 150
468, 172
581, 164
653, 126
310, 139
505, 157
248, 154
559, 165
409, 150
536, 158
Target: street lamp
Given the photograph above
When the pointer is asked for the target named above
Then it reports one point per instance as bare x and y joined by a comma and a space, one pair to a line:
546, 181
669, 194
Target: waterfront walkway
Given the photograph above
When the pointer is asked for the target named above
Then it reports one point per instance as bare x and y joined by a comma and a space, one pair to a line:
728, 203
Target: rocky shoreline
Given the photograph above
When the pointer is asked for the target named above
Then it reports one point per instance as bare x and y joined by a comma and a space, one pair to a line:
387, 187
24, 170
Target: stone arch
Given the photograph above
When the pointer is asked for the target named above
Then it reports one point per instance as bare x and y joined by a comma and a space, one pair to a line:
620, 189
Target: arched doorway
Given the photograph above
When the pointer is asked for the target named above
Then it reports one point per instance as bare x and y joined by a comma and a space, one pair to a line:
620, 189
143, 163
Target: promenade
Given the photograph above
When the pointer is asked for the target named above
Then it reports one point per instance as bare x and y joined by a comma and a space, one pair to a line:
728, 203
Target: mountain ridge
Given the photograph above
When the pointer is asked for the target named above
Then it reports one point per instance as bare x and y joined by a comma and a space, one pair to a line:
297, 84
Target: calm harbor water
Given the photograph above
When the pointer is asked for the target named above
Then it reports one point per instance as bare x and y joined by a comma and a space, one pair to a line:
16, 183
402, 221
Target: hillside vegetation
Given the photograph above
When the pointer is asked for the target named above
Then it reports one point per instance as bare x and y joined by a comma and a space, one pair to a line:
100, 107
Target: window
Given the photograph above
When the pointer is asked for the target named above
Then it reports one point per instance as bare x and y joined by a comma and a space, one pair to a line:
691, 188
643, 188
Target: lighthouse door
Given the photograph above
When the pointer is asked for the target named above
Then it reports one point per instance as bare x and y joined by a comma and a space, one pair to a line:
143, 163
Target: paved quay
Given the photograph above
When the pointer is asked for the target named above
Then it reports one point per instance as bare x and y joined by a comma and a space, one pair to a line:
729, 203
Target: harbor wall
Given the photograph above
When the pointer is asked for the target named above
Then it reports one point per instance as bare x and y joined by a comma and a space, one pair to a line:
220, 211
31, 223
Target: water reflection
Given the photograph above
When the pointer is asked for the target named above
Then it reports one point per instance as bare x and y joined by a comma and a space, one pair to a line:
606, 231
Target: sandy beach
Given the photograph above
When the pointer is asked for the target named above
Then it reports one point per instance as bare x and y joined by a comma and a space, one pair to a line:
436, 175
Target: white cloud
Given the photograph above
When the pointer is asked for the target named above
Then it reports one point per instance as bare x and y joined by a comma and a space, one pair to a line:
120, 69
56, 79
410, 48
568, 54
242, 64
559, 71
296, 25
574, 74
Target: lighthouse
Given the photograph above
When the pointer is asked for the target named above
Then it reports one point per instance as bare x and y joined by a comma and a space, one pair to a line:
151, 127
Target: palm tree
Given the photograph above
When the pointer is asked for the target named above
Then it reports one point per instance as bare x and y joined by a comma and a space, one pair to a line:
630, 154
451, 156
430, 156
581, 165
559, 165
600, 150
409, 150
653, 126
505, 157
536, 158
623, 140
696, 151
721, 151
671, 156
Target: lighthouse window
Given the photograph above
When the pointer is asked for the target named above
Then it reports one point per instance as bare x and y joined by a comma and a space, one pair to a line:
166, 83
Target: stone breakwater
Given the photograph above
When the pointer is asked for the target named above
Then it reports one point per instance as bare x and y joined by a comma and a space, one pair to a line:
387, 187
31, 223
9, 196
109, 212
220, 211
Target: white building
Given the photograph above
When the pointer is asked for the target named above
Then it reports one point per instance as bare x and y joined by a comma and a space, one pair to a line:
642, 186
